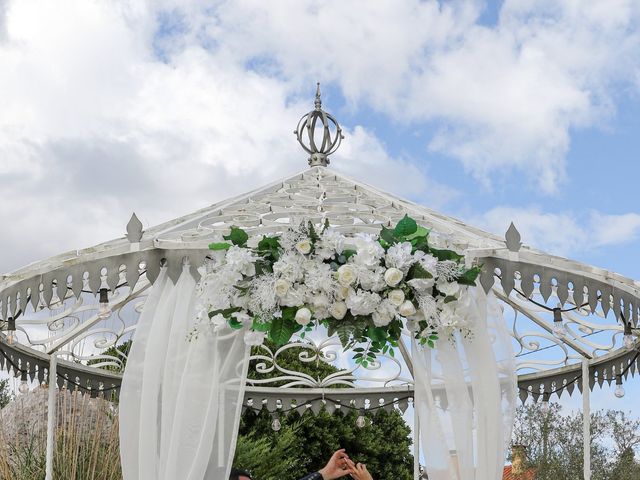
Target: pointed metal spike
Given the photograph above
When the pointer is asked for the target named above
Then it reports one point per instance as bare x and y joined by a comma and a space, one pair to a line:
318, 101
545, 288
487, 280
512, 238
134, 229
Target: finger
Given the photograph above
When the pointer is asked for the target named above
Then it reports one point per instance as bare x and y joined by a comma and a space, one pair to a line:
338, 453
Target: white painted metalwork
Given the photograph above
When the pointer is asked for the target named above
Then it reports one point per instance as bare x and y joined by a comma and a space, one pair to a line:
52, 415
586, 419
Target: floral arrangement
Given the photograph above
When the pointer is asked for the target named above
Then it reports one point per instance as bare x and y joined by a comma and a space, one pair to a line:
363, 288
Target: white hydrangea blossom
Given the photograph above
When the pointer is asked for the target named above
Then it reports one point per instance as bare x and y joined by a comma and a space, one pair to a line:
369, 251
289, 267
361, 302
331, 243
399, 256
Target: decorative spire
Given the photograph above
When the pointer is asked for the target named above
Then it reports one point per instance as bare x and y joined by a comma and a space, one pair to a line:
318, 102
319, 148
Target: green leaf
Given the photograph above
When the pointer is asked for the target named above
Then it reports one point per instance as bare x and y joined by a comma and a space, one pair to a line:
237, 236
344, 331
281, 330
226, 312
260, 326
469, 277
219, 246
263, 266
377, 334
268, 244
348, 253
234, 323
289, 313
420, 243
445, 254
405, 227
421, 233
388, 236
418, 271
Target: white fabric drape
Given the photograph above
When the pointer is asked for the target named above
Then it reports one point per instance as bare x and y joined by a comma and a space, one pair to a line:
181, 400
465, 396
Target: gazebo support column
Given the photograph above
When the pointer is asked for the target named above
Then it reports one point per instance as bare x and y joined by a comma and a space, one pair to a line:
586, 419
416, 443
51, 414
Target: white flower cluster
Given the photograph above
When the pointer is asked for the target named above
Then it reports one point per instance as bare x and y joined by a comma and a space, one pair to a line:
329, 276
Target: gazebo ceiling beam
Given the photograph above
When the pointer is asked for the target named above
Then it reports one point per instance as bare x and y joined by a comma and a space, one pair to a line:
540, 322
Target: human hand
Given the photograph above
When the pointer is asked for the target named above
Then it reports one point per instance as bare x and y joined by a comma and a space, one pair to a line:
359, 471
336, 467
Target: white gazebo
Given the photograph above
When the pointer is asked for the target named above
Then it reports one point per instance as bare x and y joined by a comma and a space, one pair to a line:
571, 324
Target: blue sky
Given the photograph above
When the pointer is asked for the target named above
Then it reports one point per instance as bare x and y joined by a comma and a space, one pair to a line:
488, 111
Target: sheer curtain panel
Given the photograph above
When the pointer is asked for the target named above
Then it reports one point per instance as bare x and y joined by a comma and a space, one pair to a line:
465, 395
181, 399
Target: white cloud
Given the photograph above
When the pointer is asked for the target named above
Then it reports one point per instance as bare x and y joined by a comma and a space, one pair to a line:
163, 107
563, 233
507, 97
95, 126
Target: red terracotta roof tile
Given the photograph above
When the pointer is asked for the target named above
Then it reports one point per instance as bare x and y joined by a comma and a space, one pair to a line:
507, 474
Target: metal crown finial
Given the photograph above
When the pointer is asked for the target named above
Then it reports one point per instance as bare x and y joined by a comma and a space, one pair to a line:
319, 148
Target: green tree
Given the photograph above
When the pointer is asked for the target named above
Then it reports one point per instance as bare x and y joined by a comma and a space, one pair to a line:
383, 444
5, 393
554, 443
120, 352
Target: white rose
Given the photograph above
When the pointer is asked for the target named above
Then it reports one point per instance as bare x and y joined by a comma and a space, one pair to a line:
304, 247
407, 309
347, 275
396, 297
343, 291
393, 277
303, 316
448, 288
338, 310
282, 287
